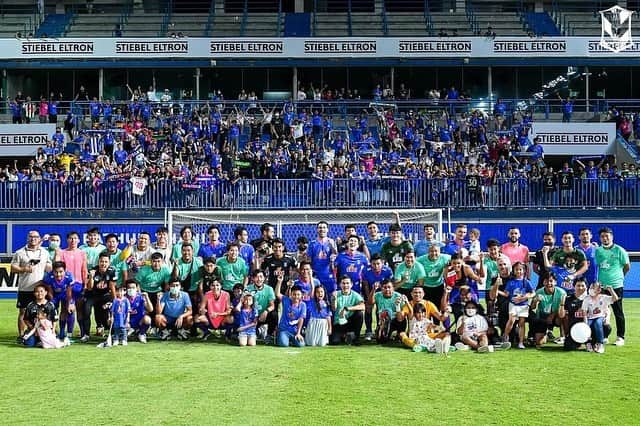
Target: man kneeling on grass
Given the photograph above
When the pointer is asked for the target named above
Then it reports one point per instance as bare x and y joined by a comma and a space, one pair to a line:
174, 313
389, 306
550, 311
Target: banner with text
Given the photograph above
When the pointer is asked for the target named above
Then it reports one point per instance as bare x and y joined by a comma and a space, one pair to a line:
237, 48
24, 139
575, 138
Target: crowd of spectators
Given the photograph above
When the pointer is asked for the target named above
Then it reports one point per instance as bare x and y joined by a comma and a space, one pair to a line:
157, 138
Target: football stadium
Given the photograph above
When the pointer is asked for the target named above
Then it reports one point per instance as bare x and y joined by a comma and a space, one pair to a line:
319, 212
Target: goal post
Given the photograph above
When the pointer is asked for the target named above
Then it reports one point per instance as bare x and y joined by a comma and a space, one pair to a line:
290, 224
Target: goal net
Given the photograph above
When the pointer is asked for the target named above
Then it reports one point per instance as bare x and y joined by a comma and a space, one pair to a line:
290, 224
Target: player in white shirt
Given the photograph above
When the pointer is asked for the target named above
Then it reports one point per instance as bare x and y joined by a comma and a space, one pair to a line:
596, 312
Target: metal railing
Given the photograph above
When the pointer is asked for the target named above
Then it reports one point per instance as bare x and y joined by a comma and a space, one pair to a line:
307, 193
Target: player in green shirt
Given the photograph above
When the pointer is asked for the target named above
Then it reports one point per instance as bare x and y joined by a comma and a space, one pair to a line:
186, 237
394, 250
117, 260
613, 264
153, 279
434, 264
93, 248
233, 269
549, 307
348, 307
408, 274
187, 269
389, 304
264, 297
559, 256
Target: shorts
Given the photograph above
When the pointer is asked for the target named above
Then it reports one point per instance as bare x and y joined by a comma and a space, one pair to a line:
217, 322
24, 298
519, 311
135, 321
539, 324
248, 332
171, 321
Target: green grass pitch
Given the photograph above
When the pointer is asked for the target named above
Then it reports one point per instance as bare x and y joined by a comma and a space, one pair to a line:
200, 383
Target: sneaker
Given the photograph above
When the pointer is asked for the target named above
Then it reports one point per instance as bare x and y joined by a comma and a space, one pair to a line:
99, 331
599, 348
550, 335
84, 339
165, 334
131, 332
521, 346
438, 345
268, 340
505, 346
461, 346
124, 343
261, 332
559, 341
446, 345
368, 336
20, 340
483, 349
183, 334
419, 348
619, 342
142, 338
205, 335
116, 342
589, 347
66, 341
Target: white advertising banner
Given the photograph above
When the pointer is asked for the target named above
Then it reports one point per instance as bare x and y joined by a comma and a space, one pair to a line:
24, 139
575, 138
235, 48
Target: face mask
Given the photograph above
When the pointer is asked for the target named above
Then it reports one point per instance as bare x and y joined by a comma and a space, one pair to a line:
174, 290
131, 292
548, 244
54, 245
470, 312
592, 292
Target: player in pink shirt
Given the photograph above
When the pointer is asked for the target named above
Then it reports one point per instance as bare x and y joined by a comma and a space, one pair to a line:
74, 258
514, 250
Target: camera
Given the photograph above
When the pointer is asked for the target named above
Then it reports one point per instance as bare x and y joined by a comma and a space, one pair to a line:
33, 262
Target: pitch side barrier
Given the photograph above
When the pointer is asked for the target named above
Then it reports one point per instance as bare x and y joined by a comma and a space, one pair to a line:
626, 234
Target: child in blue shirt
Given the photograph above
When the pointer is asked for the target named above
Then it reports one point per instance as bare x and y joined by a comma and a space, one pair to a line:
247, 313
519, 290
294, 312
120, 310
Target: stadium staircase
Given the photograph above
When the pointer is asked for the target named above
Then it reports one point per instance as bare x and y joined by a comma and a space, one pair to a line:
541, 24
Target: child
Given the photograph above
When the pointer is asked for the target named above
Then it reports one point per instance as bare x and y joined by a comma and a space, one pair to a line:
294, 311
573, 312
140, 304
472, 329
519, 290
596, 309
44, 329
319, 325
120, 311
474, 244
420, 327
247, 320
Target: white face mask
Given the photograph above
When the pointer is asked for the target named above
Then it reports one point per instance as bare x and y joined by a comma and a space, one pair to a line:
174, 290
131, 292
54, 245
470, 312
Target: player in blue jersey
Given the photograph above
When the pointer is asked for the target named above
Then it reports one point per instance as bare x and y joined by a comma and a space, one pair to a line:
375, 241
140, 304
352, 263
60, 283
322, 252
374, 274
588, 247
214, 248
